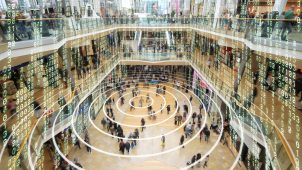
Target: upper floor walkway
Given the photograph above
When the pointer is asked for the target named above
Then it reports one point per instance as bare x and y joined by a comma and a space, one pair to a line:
41, 35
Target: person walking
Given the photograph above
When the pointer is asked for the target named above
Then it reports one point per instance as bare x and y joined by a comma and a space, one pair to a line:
193, 160
207, 135
191, 98
148, 98
163, 140
122, 146
112, 129
132, 105
76, 162
136, 134
77, 143
200, 135
206, 161
127, 146
200, 108
182, 139
107, 110
88, 148
104, 122
143, 124
175, 120
184, 117
198, 157
168, 109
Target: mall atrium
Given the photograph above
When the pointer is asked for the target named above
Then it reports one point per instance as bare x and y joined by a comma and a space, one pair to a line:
150, 84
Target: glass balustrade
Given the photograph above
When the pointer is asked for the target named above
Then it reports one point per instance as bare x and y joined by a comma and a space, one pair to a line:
266, 32
253, 117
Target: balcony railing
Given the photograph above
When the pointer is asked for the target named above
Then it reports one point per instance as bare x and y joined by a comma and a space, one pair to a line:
268, 32
276, 142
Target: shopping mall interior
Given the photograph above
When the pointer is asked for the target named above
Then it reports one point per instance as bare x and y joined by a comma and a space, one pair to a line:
150, 84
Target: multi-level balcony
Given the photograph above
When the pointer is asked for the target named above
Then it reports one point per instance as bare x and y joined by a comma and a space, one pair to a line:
253, 117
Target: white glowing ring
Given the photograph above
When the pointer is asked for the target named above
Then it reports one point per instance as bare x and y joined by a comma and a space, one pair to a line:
145, 115
138, 107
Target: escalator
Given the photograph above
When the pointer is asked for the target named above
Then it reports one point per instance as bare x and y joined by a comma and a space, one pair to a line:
137, 40
170, 39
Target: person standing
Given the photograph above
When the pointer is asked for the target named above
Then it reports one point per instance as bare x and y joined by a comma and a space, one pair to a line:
199, 123
122, 100
143, 124
175, 104
179, 120
199, 117
141, 102
287, 23
182, 139
193, 117
186, 109
164, 90
161, 108
207, 133
191, 98
111, 111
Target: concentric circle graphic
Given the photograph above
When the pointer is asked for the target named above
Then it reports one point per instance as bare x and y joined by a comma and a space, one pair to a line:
140, 104
145, 115
148, 155
126, 112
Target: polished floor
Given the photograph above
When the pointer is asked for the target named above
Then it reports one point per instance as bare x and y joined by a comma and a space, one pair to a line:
222, 157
